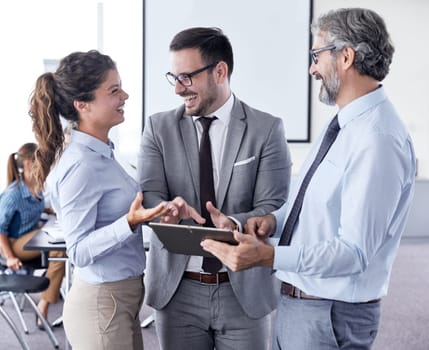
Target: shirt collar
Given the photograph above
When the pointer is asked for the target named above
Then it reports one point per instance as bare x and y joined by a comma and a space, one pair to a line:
25, 192
93, 143
223, 113
361, 105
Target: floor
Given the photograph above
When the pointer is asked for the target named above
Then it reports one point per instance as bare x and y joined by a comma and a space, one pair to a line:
405, 310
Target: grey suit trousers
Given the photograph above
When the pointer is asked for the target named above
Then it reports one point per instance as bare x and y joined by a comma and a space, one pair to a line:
303, 324
205, 317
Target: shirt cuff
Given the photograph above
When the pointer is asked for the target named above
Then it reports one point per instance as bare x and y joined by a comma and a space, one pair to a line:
286, 258
238, 227
122, 229
280, 216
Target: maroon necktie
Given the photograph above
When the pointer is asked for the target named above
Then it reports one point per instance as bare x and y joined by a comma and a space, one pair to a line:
328, 140
207, 192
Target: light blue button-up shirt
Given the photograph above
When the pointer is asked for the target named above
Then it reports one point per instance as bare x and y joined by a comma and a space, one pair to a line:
91, 194
355, 207
19, 210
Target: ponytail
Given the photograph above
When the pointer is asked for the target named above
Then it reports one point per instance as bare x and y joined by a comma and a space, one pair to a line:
15, 162
47, 127
12, 169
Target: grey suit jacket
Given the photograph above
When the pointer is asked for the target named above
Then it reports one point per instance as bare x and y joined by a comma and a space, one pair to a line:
254, 180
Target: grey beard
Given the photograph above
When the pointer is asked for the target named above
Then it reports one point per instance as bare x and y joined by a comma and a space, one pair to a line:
327, 96
329, 90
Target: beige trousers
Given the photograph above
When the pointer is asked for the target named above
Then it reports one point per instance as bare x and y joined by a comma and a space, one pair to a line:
104, 316
55, 271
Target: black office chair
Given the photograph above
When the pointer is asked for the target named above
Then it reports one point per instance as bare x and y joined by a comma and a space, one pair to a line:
25, 284
28, 268
10, 322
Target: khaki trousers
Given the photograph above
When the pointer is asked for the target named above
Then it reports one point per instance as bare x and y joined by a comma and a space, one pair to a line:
55, 271
104, 316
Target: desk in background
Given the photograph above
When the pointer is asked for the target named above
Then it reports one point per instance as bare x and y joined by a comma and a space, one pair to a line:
40, 241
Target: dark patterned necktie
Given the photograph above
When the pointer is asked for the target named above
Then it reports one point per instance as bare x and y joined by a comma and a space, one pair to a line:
328, 140
207, 192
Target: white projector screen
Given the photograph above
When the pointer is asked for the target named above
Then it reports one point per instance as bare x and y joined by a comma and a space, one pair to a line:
270, 40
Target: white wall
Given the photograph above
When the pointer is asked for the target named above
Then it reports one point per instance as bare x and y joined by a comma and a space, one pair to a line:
34, 30
407, 82
51, 29
271, 52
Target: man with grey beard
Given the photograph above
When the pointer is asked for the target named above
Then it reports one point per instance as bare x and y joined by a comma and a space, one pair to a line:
341, 227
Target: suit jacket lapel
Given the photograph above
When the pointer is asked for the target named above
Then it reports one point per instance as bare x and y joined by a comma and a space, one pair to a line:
190, 142
237, 127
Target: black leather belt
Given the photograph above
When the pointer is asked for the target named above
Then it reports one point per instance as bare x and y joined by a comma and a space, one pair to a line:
294, 292
207, 278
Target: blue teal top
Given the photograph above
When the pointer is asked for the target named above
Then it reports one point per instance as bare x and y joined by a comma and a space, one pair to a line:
19, 210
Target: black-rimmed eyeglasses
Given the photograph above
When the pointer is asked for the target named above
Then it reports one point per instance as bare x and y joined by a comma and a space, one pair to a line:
186, 78
314, 53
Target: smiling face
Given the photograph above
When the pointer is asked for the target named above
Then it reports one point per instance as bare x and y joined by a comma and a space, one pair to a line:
326, 71
204, 96
330, 85
106, 110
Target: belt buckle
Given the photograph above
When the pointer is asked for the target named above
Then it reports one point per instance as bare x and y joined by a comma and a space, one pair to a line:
296, 292
209, 274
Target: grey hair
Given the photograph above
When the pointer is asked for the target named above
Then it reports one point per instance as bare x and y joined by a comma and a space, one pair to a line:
365, 32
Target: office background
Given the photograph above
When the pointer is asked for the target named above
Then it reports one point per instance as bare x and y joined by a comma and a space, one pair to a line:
270, 46
50, 29
33, 31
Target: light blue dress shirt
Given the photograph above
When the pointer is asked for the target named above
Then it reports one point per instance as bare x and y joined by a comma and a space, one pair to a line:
19, 210
91, 194
355, 207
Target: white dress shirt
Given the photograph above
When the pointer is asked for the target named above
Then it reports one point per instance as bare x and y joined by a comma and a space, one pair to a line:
218, 132
355, 207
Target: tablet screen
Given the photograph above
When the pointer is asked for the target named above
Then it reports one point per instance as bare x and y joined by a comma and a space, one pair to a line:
186, 239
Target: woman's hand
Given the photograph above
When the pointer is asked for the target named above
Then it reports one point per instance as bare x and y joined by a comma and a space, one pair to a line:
14, 263
138, 214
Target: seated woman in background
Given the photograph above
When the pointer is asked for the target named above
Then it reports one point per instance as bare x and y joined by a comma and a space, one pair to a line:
20, 209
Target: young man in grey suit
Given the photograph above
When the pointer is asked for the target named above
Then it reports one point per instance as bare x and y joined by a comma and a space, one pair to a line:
250, 175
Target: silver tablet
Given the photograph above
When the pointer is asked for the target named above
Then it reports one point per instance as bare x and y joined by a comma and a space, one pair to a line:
185, 239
